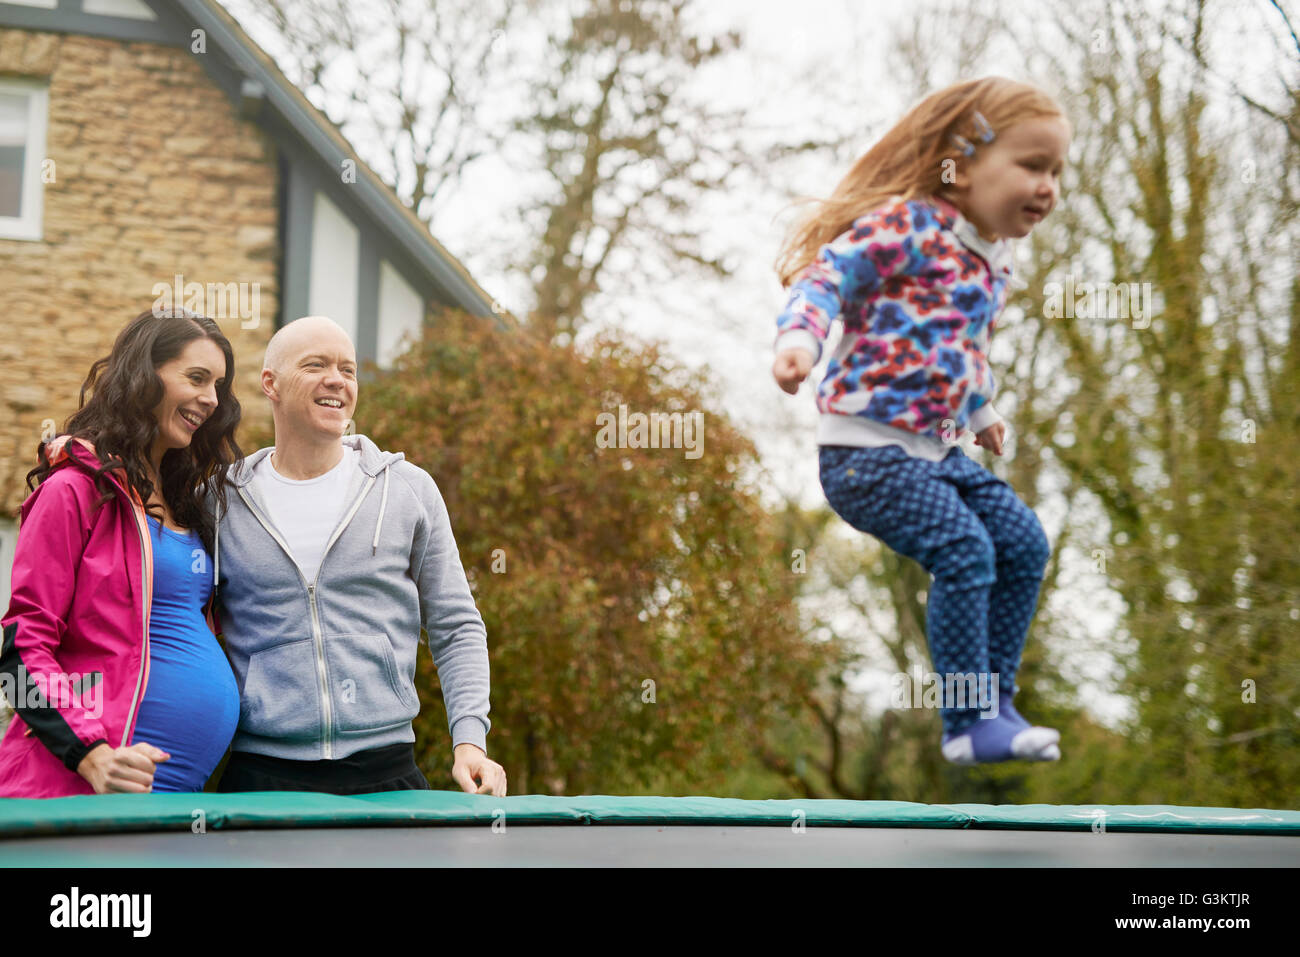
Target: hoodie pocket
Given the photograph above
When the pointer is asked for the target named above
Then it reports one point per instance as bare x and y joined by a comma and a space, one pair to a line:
281, 697
366, 691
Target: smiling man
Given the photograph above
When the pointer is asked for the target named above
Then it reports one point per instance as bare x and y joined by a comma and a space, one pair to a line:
331, 557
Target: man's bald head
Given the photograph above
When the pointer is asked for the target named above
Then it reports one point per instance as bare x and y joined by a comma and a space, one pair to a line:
298, 337
310, 375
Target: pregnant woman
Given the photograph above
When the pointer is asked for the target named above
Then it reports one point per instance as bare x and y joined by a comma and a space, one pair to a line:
110, 657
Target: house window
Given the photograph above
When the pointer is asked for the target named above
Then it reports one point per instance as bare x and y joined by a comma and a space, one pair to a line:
23, 108
131, 9
401, 314
335, 259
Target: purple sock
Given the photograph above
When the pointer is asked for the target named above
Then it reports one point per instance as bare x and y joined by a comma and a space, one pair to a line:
992, 740
1008, 710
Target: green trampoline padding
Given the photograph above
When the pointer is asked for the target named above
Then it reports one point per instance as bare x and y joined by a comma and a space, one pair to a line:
98, 814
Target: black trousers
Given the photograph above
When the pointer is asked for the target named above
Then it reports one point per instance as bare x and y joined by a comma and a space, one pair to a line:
383, 769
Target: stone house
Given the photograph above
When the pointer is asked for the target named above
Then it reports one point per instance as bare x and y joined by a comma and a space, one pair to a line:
150, 150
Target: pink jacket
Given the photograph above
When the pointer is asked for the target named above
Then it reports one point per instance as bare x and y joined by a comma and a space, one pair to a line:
75, 658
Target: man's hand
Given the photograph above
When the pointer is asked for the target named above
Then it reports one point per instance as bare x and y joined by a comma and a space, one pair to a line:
991, 438
791, 368
129, 770
473, 765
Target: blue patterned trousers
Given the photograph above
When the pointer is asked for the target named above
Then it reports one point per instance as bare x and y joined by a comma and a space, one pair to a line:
985, 549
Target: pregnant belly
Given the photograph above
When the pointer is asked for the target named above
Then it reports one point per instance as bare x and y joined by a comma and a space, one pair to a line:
190, 710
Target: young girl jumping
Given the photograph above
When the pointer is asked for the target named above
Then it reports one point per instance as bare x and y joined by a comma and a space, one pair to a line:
912, 252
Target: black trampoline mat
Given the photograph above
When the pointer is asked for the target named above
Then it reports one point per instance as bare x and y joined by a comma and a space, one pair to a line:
651, 846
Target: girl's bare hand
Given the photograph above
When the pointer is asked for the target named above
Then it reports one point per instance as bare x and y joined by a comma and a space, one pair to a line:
991, 438
791, 368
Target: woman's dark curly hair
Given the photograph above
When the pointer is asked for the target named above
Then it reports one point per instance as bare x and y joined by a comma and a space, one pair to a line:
119, 419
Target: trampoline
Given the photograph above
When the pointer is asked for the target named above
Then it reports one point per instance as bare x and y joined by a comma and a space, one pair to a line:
443, 828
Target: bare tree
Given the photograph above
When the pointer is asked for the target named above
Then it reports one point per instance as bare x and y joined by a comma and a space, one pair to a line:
406, 81
626, 152
1176, 421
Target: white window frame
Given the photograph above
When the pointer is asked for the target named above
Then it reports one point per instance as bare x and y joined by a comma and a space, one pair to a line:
401, 315
335, 265
28, 223
127, 9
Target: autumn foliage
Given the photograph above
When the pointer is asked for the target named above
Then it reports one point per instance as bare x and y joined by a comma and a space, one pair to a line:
638, 604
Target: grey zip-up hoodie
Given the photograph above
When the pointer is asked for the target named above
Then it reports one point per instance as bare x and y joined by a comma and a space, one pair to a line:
327, 668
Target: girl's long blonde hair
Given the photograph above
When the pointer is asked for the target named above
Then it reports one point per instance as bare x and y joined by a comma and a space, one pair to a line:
909, 161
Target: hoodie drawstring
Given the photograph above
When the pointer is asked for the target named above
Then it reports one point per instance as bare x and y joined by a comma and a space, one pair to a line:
383, 504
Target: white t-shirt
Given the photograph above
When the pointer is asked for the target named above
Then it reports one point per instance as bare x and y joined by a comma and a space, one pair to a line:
306, 511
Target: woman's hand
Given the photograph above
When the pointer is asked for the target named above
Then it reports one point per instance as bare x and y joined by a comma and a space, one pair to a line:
111, 770
991, 438
791, 368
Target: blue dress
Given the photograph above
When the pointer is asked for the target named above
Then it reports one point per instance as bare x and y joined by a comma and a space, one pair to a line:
191, 704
